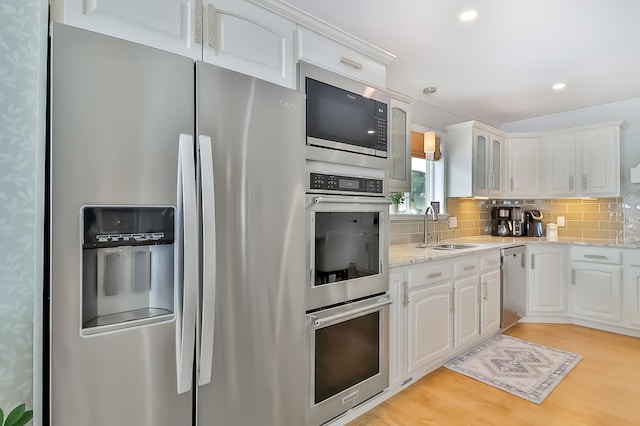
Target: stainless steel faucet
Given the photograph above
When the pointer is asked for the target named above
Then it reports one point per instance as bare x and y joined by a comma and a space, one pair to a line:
434, 218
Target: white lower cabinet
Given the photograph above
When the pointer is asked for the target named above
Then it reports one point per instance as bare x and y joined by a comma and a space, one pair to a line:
397, 329
467, 311
430, 325
547, 291
490, 293
596, 284
429, 312
449, 305
631, 298
631, 289
490, 302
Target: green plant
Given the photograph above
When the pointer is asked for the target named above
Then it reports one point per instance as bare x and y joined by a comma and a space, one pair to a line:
397, 197
17, 417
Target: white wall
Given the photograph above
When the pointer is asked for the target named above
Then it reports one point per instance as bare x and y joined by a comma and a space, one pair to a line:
23, 32
629, 111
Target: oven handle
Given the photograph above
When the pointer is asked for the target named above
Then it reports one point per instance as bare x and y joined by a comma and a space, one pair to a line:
336, 200
319, 321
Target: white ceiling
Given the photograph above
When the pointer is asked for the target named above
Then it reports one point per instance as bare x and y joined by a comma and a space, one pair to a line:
500, 67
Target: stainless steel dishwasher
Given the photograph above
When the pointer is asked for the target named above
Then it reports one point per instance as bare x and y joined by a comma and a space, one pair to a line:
514, 285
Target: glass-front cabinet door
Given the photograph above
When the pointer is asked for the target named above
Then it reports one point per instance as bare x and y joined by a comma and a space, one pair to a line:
400, 146
480, 162
497, 149
488, 163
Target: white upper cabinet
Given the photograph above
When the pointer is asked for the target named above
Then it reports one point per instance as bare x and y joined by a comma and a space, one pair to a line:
243, 37
560, 164
169, 25
475, 160
254, 37
488, 163
234, 34
583, 162
525, 167
400, 146
600, 161
323, 51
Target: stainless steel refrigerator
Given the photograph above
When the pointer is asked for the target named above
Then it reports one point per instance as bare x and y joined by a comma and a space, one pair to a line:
175, 241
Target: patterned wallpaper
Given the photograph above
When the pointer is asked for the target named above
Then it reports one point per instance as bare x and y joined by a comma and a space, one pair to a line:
22, 30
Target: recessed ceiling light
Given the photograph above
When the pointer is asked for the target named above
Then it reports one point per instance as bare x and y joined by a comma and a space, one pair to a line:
468, 15
429, 90
559, 86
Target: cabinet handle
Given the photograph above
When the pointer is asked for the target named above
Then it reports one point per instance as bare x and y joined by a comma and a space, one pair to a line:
197, 36
484, 291
434, 275
533, 256
595, 256
211, 26
573, 277
470, 267
511, 183
584, 182
493, 181
351, 63
571, 183
405, 294
451, 301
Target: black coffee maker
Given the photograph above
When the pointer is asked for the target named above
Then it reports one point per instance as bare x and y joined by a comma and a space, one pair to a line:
501, 221
533, 223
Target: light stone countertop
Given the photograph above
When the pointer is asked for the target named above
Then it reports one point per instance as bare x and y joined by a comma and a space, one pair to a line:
407, 254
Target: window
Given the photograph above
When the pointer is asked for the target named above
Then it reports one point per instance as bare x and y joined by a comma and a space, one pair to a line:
427, 180
420, 195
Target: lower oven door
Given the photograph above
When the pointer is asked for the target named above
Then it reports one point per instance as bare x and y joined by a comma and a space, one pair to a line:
349, 356
348, 247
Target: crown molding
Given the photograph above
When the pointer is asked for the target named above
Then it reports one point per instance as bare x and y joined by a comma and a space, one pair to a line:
311, 22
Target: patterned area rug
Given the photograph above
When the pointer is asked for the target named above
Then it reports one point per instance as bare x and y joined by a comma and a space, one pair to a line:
525, 369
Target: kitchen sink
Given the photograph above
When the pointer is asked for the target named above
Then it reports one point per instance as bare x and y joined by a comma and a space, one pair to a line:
446, 246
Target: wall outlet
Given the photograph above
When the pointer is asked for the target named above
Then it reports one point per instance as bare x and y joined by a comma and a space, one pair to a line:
560, 220
453, 222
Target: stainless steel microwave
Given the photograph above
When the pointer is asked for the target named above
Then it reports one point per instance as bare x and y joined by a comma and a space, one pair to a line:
346, 120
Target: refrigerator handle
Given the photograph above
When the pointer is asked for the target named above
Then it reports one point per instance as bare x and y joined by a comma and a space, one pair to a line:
186, 275
208, 260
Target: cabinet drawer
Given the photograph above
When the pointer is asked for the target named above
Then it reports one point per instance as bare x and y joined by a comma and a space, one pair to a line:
433, 273
490, 262
597, 255
320, 50
467, 266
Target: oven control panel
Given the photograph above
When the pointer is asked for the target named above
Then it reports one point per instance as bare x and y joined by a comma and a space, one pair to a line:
337, 183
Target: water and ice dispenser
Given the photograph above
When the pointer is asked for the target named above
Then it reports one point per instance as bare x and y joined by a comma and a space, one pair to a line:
127, 266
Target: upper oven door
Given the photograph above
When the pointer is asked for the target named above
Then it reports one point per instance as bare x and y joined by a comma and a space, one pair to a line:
348, 248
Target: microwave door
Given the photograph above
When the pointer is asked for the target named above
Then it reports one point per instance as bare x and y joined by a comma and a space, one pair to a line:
340, 119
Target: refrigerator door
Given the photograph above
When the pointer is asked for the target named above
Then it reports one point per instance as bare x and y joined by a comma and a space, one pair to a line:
116, 113
257, 137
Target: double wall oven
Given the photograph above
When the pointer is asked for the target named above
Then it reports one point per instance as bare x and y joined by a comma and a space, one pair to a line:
346, 301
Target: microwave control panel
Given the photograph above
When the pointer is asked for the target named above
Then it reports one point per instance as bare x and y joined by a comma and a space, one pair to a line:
336, 183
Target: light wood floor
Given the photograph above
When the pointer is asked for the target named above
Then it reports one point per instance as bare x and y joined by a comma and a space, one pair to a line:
603, 389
